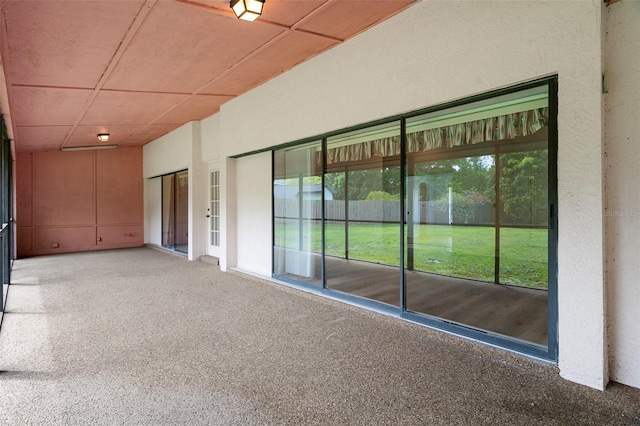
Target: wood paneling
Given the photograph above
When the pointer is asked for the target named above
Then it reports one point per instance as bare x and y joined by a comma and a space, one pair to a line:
24, 239
24, 201
63, 188
120, 235
64, 199
63, 239
119, 186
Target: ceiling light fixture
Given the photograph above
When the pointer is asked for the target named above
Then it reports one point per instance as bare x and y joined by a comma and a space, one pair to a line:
103, 137
87, 148
247, 10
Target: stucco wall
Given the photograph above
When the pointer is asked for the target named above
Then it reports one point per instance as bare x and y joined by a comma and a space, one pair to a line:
622, 208
210, 128
434, 52
253, 186
152, 211
198, 188
169, 153
442, 50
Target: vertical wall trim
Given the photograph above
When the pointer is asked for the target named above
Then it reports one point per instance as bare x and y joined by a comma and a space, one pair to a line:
553, 221
95, 198
403, 211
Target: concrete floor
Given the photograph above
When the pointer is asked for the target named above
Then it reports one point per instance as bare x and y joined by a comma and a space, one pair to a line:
143, 337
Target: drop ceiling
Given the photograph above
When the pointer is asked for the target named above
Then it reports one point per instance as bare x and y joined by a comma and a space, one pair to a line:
138, 69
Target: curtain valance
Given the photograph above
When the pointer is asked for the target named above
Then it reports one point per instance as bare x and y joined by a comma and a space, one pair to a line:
502, 127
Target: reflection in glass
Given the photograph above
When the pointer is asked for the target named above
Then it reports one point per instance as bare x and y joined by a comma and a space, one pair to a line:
297, 202
168, 211
362, 228
175, 209
182, 211
475, 219
460, 250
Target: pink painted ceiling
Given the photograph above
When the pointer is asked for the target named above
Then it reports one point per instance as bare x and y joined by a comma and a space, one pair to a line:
139, 69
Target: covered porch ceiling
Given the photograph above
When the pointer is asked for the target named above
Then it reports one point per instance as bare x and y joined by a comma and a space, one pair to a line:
138, 69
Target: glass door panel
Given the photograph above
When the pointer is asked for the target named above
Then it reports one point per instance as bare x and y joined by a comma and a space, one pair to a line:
297, 201
168, 211
175, 209
182, 212
477, 215
214, 213
362, 227
524, 200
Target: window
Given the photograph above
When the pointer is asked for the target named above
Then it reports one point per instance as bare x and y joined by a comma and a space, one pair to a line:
444, 216
297, 213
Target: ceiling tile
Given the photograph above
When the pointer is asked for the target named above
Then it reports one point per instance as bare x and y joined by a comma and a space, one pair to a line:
284, 12
288, 12
195, 108
56, 51
113, 108
345, 18
282, 55
69, 44
38, 106
88, 135
180, 47
150, 133
38, 138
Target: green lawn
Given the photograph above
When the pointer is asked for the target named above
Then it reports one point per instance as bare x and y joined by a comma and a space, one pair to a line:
461, 251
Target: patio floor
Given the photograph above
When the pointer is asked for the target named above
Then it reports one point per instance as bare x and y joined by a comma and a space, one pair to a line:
139, 336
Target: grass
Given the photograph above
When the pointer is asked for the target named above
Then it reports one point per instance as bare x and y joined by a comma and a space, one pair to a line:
461, 251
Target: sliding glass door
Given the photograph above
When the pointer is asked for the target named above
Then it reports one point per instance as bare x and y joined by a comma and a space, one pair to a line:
175, 209
477, 211
297, 213
445, 216
362, 227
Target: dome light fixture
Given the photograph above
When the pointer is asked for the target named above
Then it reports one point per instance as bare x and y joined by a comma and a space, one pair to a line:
247, 10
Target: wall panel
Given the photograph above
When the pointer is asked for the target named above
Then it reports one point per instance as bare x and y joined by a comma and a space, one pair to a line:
119, 185
24, 201
64, 188
64, 199
622, 208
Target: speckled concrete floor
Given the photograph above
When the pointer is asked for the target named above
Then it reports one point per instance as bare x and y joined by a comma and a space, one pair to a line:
143, 337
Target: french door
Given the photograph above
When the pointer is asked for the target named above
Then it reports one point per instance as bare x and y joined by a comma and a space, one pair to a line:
213, 212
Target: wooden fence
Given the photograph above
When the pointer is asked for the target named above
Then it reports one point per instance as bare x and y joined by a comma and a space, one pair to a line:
379, 211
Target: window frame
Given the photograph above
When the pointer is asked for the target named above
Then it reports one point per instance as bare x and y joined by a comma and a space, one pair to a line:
550, 352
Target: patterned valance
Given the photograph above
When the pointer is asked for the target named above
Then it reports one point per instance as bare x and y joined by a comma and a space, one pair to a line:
503, 127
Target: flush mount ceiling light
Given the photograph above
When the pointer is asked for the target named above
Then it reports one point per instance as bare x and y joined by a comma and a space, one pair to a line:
248, 10
103, 137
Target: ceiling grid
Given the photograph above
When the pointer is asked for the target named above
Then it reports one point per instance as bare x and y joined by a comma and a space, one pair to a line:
142, 68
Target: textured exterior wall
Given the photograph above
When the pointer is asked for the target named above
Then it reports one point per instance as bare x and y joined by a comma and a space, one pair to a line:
438, 51
253, 186
434, 52
211, 139
153, 211
77, 201
622, 208
170, 153
198, 188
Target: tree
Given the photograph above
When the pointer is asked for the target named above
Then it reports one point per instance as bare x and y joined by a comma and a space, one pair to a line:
382, 196
362, 182
524, 187
465, 205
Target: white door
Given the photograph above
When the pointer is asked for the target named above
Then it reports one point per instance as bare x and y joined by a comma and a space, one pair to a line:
213, 212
